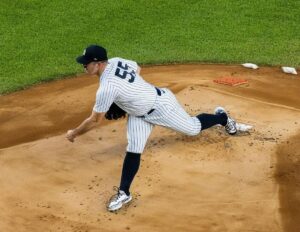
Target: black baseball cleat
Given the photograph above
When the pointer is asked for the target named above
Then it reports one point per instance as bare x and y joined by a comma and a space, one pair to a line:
230, 127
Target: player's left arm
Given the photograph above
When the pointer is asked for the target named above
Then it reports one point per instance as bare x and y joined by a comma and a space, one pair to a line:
88, 124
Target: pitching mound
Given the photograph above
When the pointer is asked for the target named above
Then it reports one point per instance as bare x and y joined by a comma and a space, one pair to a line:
211, 182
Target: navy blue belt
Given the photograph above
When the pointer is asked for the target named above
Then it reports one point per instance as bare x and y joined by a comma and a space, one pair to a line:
158, 91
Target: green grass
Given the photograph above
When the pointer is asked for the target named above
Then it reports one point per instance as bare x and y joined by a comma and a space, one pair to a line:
39, 40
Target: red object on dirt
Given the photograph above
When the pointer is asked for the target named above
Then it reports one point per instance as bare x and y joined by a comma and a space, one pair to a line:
232, 81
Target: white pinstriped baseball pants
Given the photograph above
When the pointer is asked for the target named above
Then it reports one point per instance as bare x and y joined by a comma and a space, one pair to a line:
168, 113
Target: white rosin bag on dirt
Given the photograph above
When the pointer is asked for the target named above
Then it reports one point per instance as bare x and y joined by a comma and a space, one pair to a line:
250, 65
290, 70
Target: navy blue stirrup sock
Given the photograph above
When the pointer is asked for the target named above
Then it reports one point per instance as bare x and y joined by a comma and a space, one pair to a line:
130, 167
209, 120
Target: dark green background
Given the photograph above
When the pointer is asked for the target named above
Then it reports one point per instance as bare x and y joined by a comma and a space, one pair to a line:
40, 39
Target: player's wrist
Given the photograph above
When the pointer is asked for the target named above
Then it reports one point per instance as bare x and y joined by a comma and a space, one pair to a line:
75, 132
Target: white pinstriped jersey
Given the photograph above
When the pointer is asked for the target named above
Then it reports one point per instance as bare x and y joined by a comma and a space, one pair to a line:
120, 83
168, 113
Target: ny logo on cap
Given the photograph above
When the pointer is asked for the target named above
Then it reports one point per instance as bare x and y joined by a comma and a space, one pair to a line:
84, 52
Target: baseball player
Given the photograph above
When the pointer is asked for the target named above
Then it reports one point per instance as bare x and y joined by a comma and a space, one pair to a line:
123, 91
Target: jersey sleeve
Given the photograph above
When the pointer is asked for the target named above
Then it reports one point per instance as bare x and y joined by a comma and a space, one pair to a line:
105, 96
132, 64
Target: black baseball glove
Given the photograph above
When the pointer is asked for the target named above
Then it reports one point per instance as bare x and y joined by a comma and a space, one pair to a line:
115, 112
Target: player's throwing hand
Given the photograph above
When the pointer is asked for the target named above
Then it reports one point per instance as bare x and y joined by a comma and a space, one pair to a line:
71, 135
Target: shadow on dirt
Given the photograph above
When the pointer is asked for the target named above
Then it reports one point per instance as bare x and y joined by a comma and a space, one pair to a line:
287, 175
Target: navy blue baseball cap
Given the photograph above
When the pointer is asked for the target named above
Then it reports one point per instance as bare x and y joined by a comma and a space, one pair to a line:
92, 53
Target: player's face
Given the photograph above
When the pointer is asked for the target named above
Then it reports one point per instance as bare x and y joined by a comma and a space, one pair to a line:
92, 68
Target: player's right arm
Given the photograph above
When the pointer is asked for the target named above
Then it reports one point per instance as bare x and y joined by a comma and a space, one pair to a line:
89, 123
104, 99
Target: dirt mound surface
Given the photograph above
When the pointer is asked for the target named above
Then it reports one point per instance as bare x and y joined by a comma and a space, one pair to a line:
211, 182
